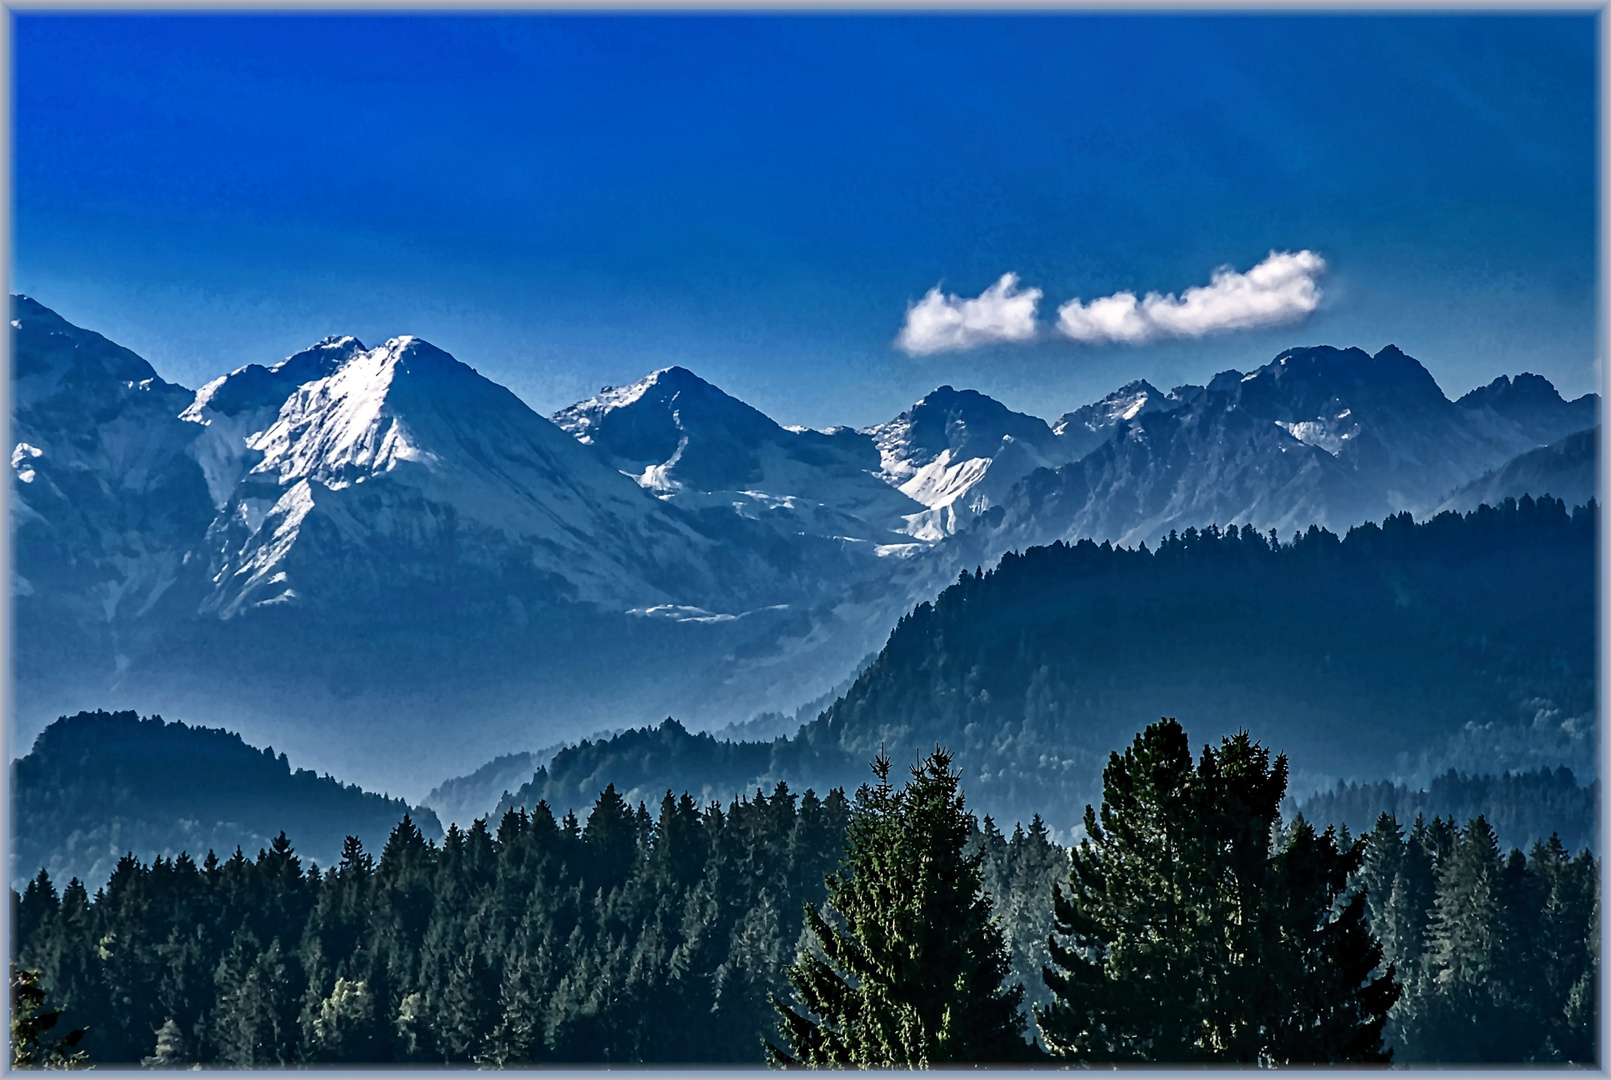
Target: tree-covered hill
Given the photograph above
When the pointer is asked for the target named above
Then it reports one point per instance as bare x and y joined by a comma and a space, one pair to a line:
1398, 650
1368, 655
644, 764
98, 785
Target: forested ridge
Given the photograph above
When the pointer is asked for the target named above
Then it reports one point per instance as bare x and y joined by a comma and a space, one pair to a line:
684, 934
97, 785
1465, 641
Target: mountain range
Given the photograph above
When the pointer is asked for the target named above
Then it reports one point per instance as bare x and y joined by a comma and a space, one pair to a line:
382, 561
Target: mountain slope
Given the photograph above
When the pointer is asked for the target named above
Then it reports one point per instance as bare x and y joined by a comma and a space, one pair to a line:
1567, 469
1530, 408
374, 539
100, 473
98, 785
105, 502
235, 407
403, 455
363, 553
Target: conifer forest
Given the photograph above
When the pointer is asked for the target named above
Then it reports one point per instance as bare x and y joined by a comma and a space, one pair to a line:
1191, 923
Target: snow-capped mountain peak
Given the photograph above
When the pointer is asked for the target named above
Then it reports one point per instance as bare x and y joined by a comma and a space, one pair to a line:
686, 440
964, 425
254, 386
379, 409
1087, 427
1126, 403
956, 452
233, 409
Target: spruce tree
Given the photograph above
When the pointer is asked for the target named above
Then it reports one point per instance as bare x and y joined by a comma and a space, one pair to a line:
1458, 1008
1186, 939
907, 966
31, 1018
170, 1052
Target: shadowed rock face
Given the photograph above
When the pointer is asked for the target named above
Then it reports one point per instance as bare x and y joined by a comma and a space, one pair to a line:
106, 502
676, 420
1532, 403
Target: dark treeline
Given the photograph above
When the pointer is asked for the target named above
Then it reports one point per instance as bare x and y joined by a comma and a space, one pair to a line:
1521, 808
99, 784
1451, 642
634, 937
640, 937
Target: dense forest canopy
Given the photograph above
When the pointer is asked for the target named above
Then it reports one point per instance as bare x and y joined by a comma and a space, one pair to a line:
97, 785
630, 935
1398, 650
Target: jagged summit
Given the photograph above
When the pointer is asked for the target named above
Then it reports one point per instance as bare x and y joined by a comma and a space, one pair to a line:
1084, 429
1526, 387
1309, 379
960, 425
255, 386
958, 451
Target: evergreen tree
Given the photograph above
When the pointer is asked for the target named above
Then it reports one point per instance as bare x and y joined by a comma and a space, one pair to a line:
909, 971
1511, 952
31, 1018
1459, 1007
170, 1052
663, 940
345, 1028
1397, 879
34, 909
1188, 939
1564, 952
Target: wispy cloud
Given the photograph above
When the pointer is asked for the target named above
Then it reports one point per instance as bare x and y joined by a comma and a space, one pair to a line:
1280, 289
945, 323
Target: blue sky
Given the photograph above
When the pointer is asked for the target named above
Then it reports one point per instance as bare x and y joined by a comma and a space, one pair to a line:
566, 201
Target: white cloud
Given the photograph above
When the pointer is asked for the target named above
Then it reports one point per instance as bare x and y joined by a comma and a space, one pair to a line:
941, 323
1280, 289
